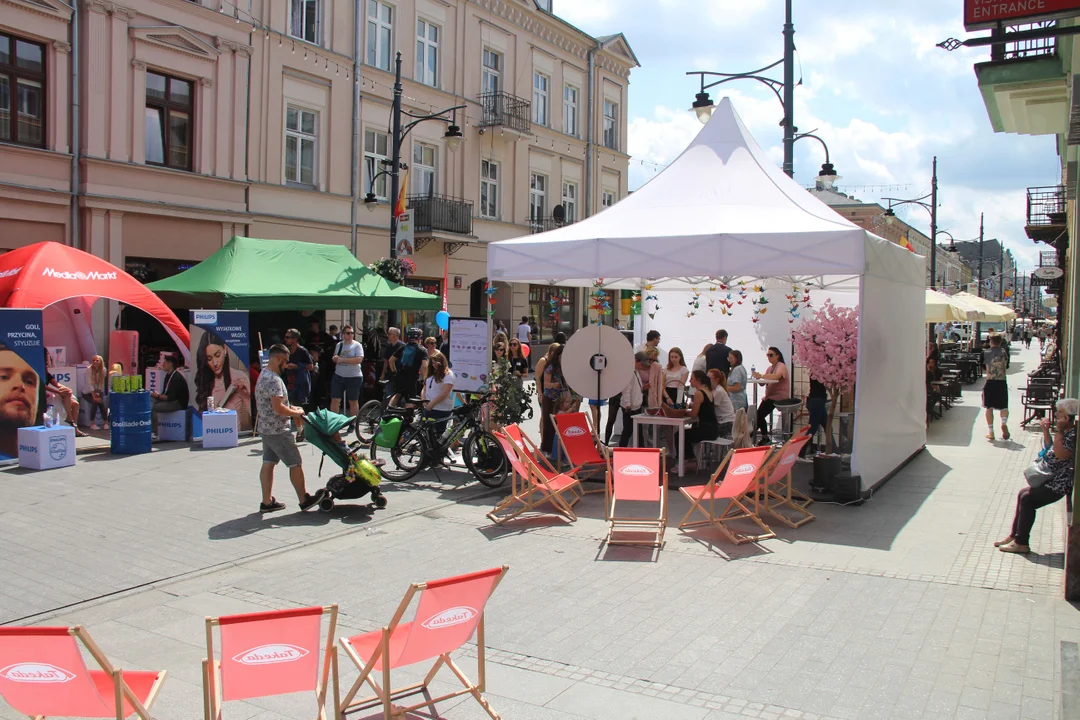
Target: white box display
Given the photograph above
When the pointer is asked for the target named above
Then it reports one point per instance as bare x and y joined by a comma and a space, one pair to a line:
219, 429
42, 448
172, 426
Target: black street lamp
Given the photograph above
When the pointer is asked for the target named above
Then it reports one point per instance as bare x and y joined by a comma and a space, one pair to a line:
784, 90
930, 207
453, 138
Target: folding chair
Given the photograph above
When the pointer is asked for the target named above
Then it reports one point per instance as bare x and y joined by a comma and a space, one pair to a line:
268, 653
581, 444
741, 470
779, 492
43, 674
448, 612
637, 475
538, 486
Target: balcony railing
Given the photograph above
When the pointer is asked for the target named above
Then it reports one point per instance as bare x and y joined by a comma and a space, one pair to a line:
543, 224
439, 213
1046, 206
505, 110
1023, 49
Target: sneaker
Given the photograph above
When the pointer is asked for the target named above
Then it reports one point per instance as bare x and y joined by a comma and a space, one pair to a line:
272, 506
1005, 432
1015, 547
312, 500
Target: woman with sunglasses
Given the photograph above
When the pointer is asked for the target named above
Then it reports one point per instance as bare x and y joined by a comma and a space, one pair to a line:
518, 362
778, 390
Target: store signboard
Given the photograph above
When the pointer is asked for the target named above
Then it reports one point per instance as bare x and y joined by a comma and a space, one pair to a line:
981, 14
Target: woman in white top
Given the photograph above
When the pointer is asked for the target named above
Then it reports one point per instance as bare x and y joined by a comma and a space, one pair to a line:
675, 374
725, 411
438, 390
700, 361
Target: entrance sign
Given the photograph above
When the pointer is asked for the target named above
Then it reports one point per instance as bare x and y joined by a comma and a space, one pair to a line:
470, 347
220, 353
980, 14
22, 394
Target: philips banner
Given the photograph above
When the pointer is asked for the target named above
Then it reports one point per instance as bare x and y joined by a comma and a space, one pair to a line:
220, 352
22, 376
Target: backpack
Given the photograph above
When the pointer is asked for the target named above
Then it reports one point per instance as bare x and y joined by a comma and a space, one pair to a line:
411, 357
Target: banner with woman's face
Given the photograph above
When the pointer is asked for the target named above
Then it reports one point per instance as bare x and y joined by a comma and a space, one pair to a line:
22, 376
219, 351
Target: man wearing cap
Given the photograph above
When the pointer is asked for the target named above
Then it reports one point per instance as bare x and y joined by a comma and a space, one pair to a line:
633, 396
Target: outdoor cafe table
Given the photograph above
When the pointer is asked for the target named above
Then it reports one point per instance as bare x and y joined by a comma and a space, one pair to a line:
662, 421
760, 381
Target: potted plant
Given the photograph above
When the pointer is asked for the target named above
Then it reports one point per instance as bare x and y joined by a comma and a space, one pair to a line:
512, 399
827, 346
394, 269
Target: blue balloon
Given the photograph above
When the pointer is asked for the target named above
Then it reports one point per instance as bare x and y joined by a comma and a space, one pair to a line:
442, 319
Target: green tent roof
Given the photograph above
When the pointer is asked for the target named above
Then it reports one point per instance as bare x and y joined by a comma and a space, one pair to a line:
253, 274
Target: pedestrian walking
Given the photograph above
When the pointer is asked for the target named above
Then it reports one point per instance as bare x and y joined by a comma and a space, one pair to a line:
996, 390
278, 445
298, 372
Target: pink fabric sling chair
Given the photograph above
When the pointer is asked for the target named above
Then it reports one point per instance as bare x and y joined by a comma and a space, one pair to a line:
741, 471
526, 445
581, 444
637, 475
536, 488
43, 674
782, 500
447, 614
269, 653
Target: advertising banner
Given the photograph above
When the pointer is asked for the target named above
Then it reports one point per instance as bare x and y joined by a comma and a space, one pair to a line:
470, 346
220, 352
124, 349
405, 244
979, 14
22, 376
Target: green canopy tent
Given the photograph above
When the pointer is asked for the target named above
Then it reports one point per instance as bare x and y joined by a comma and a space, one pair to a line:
275, 275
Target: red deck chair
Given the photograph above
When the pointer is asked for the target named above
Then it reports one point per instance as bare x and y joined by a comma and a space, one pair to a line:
581, 444
43, 674
525, 444
537, 486
741, 470
637, 475
779, 493
268, 653
448, 612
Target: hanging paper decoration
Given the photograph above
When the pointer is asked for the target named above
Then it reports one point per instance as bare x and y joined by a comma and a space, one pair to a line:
490, 291
760, 303
599, 302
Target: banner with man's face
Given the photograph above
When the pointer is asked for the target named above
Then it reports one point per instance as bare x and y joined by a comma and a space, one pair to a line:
22, 376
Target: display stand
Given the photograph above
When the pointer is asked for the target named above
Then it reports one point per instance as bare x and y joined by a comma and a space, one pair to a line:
46, 448
129, 423
219, 429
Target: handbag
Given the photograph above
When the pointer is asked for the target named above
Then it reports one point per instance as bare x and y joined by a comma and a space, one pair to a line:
1036, 475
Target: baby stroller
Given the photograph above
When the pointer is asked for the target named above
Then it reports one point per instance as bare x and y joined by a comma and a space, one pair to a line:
358, 477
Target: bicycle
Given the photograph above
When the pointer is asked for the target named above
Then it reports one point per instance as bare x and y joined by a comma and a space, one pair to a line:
366, 423
418, 447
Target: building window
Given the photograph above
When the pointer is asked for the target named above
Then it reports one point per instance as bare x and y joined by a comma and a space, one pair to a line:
423, 169
427, 53
607, 199
611, 125
537, 196
305, 20
300, 137
540, 98
22, 91
489, 189
569, 201
375, 151
380, 33
491, 78
545, 322
169, 103
570, 95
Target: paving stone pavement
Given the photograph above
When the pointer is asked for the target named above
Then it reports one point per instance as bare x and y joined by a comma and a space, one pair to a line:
895, 608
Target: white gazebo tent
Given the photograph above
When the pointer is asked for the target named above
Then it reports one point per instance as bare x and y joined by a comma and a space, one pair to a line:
722, 211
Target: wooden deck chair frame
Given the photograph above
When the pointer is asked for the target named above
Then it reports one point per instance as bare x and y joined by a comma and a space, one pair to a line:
212, 687
526, 443
738, 508
585, 470
386, 696
122, 691
535, 489
780, 495
627, 524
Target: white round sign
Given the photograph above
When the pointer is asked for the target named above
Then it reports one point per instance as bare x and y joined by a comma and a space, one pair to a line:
1048, 272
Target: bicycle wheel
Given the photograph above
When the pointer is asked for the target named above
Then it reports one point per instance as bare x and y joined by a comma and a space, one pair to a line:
485, 459
367, 421
405, 458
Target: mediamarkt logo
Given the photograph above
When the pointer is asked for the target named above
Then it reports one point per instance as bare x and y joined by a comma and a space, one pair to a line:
78, 274
743, 469
635, 470
270, 654
450, 617
35, 672
574, 431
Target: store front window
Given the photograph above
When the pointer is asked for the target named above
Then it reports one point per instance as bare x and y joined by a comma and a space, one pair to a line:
423, 319
546, 323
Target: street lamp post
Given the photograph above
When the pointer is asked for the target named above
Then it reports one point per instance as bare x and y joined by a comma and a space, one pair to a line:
784, 90
930, 207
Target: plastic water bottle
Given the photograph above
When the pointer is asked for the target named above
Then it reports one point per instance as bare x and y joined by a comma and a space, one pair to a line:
753, 370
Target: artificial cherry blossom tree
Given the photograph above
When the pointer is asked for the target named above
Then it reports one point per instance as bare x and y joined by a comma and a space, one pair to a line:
827, 346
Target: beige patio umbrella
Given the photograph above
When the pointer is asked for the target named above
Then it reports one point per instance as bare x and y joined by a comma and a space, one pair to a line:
991, 311
940, 308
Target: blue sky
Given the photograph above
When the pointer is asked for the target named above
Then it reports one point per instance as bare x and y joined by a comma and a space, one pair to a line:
874, 86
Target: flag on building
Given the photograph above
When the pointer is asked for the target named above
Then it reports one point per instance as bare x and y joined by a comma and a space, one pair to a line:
399, 209
905, 243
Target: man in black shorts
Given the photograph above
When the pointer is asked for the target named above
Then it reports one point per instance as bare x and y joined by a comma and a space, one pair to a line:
409, 365
996, 390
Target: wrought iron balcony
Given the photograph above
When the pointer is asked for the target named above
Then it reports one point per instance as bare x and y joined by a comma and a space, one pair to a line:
500, 109
543, 224
439, 213
1046, 213
1024, 49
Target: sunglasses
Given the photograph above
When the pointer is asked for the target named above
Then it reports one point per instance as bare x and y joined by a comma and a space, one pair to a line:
430, 343
347, 332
